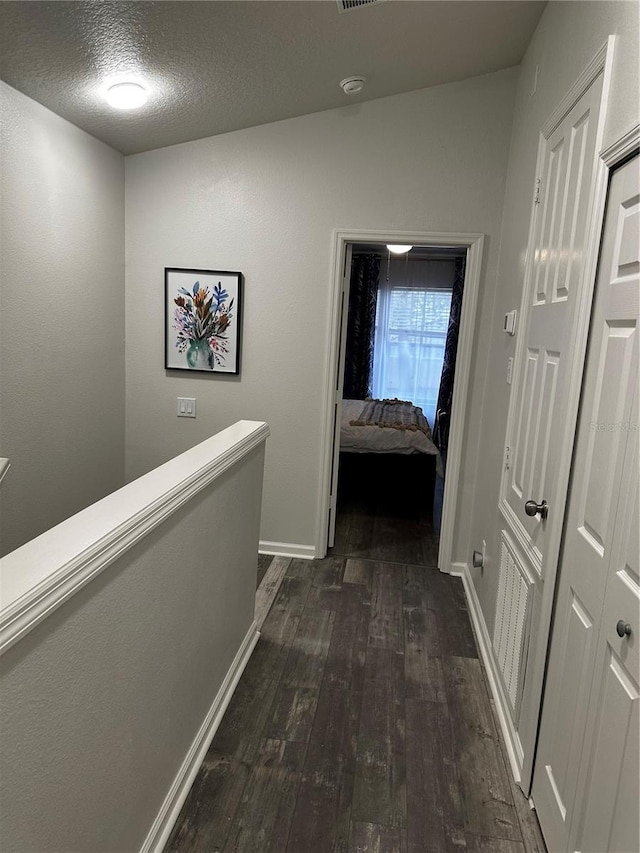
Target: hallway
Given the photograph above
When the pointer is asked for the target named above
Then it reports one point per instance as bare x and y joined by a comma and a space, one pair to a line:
362, 723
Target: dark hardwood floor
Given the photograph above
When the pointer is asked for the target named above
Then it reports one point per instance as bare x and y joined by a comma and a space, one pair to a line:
385, 509
362, 722
264, 561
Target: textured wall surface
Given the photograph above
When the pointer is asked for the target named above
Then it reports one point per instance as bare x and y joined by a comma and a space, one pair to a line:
265, 201
103, 699
61, 319
585, 26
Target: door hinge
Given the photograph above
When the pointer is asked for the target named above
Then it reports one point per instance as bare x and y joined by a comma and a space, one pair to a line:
536, 192
507, 458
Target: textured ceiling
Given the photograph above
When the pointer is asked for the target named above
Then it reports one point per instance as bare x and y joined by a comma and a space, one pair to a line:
214, 67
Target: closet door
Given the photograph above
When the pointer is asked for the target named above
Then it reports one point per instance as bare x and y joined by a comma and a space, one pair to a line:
608, 793
610, 766
587, 759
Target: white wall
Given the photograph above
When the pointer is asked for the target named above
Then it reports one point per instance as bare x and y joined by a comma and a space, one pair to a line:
264, 201
61, 319
567, 38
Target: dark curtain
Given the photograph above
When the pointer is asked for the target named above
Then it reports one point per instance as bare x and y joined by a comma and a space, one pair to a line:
363, 294
445, 392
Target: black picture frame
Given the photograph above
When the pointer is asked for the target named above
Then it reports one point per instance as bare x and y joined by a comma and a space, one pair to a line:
202, 320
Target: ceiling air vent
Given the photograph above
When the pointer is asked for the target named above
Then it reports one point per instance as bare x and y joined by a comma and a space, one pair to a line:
348, 5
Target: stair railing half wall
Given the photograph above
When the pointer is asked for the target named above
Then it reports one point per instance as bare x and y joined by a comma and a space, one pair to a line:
123, 632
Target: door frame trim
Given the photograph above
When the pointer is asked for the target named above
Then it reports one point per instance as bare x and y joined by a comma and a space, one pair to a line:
622, 148
474, 244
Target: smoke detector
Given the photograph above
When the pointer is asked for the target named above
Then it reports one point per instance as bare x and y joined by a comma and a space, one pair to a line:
352, 85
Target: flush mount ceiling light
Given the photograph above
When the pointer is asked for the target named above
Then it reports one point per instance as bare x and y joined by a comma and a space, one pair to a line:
352, 85
397, 249
126, 96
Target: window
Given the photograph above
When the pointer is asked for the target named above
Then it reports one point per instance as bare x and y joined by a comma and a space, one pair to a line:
410, 336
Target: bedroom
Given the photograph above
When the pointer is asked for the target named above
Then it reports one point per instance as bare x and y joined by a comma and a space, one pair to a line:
402, 325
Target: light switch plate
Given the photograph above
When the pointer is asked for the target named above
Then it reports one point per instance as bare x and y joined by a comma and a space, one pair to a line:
186, 407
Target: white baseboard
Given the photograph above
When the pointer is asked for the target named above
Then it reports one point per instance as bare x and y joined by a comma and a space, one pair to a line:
168, 814
509, 733
287, 549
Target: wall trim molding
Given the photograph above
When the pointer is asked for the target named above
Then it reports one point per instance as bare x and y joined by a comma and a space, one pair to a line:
287, 549
622, 148
474, 244
41, 575
170, 809
578, 89
512, 743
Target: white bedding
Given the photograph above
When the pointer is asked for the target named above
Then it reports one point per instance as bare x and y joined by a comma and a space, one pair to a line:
375, 439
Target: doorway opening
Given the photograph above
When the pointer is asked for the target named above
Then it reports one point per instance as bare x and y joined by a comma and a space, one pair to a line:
411, 294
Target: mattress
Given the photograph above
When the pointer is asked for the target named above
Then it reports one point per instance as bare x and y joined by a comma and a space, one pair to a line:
376, 439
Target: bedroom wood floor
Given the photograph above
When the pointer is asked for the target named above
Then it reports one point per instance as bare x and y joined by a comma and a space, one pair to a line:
362, 722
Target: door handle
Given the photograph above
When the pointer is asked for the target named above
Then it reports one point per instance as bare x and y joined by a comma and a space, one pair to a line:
532, 508
623, 629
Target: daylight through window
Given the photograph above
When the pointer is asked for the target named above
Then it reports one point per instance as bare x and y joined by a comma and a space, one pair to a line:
410, 336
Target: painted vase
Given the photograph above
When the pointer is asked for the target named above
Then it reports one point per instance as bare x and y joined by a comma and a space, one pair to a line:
199, 355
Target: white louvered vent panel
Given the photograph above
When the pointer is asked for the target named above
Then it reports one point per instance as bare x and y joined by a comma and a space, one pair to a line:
348, 5
512, 611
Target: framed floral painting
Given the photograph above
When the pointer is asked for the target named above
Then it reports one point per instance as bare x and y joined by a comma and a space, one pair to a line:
202, 320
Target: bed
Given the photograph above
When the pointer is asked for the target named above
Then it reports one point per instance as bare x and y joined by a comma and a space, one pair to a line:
392, 467
365, 428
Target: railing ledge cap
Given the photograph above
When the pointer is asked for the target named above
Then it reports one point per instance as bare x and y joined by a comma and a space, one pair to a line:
38, 577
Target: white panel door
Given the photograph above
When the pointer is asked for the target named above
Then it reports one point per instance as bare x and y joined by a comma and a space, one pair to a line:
592, 679
543, 410
608, 794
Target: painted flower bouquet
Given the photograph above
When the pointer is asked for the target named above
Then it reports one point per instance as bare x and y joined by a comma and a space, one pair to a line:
201, 321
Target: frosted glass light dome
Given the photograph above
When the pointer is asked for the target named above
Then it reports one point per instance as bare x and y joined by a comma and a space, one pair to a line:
126, 96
